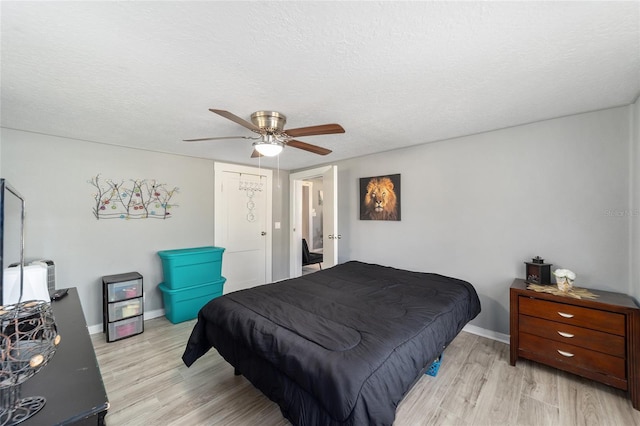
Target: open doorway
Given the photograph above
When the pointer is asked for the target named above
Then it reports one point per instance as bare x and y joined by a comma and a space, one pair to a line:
312, 213
314, 216
312, 227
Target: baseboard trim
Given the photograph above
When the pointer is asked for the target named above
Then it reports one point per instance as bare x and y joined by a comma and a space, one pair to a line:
489, 334
95, 329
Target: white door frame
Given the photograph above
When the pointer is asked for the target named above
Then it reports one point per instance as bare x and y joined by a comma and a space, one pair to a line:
329, 232
220, 168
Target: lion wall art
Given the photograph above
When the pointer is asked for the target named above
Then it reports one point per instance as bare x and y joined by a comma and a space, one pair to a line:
380, 198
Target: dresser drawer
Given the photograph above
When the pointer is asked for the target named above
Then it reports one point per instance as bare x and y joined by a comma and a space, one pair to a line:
125, 328
560, 354
125, 309
578, 336
124, 290
608, 322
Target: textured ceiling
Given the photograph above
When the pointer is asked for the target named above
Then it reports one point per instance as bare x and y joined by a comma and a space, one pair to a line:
394, 74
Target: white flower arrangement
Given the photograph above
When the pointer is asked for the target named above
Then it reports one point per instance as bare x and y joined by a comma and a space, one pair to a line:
564, 279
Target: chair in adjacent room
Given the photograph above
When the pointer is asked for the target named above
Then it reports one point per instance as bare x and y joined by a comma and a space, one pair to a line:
310, 258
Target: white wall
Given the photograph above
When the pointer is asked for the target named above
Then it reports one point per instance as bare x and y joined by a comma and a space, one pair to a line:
474, 207
477, 207
634, 282
52, 174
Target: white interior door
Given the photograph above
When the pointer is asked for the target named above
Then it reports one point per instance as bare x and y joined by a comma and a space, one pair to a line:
331, 237
242, 218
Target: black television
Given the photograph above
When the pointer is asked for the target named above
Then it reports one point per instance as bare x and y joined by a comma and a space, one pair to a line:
11, 233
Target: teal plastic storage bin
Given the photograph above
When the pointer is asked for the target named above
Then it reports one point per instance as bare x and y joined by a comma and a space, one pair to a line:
434, 367
184, 304
191, 266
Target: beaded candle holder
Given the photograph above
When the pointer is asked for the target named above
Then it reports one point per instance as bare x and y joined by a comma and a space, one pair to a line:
28, 341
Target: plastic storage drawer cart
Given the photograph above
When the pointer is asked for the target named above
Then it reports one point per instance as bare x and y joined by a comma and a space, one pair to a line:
191, 266
123, 306
184, 304
192, 277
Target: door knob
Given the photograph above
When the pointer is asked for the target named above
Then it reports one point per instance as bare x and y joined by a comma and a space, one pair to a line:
263, 233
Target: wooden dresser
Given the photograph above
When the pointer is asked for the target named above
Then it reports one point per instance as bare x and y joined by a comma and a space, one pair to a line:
595, 338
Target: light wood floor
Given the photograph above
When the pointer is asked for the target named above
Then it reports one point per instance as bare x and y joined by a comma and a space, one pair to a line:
148, 384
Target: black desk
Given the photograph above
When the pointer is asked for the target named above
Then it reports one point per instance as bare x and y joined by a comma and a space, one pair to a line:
71, 383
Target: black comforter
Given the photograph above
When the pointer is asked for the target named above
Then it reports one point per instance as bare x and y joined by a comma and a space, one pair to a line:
340, 346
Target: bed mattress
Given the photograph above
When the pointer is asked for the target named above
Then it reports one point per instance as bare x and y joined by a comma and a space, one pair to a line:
340, 346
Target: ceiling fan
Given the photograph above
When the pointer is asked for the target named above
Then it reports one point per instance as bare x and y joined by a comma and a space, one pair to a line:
271, 137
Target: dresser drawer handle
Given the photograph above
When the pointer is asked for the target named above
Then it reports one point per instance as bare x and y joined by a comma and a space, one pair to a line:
563, 353
562, 314
563, 334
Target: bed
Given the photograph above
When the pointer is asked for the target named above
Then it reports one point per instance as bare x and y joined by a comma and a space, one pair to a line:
341, 346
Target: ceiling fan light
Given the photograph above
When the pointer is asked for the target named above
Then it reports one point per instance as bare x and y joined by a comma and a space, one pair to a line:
269, 149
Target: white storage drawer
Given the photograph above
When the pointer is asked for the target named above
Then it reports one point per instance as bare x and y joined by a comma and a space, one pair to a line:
125, 328
122, 305
124, 290
125, 309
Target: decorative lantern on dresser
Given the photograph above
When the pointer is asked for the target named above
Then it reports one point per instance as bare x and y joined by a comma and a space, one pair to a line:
598, 339
538, 272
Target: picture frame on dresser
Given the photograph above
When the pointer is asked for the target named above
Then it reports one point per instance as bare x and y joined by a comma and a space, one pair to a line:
594, 338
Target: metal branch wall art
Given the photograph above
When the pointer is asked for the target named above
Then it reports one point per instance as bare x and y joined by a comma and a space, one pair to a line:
138, 199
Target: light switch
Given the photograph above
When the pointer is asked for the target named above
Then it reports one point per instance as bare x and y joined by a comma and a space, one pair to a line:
276, 225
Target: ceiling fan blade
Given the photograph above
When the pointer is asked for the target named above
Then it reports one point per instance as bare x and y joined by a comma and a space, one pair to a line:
215, 139
255, 154
236, 119
323, 129
308, 147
